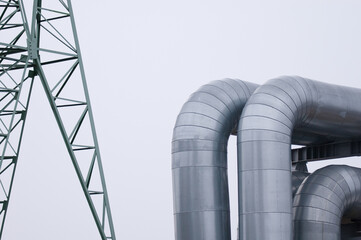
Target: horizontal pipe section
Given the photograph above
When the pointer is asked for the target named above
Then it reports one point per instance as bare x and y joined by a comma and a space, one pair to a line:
285, 110
199, 159
323, 199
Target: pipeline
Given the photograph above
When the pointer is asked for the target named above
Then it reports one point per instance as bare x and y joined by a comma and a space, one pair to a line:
325, 198
199, 159
285, 110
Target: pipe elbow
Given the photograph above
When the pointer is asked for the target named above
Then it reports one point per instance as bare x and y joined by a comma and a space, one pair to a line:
323, 199
208, 117
275, 109
212, 111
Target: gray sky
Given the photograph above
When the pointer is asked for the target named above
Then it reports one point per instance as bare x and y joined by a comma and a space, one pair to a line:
142, 60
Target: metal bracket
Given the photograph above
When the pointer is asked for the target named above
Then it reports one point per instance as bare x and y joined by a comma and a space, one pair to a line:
32, 48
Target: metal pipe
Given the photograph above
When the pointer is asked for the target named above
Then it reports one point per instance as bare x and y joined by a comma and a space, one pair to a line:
285, 110
324, 198
199, 159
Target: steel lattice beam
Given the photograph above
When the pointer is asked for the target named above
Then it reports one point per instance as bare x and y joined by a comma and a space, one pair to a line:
326, 151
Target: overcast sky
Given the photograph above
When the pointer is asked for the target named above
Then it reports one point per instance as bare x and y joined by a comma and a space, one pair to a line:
142, 60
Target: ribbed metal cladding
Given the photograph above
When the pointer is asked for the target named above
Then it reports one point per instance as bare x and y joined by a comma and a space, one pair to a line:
199, 159
323, 199
278, 109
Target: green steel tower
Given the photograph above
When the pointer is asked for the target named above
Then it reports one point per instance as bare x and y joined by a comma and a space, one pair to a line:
47, 48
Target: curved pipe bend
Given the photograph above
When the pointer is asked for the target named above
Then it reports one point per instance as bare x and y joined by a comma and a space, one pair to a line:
323, 200
199, 159
285, 110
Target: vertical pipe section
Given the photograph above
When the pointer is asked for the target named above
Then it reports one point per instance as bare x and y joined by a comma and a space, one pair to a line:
199, 159
275, 110
323, 199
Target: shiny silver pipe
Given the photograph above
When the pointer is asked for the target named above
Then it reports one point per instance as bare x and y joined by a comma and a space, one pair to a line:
324, 199
199, 159
285, 110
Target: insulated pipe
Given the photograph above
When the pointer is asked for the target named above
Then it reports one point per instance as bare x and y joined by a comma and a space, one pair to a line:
199, 159
323, 200
278, 110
